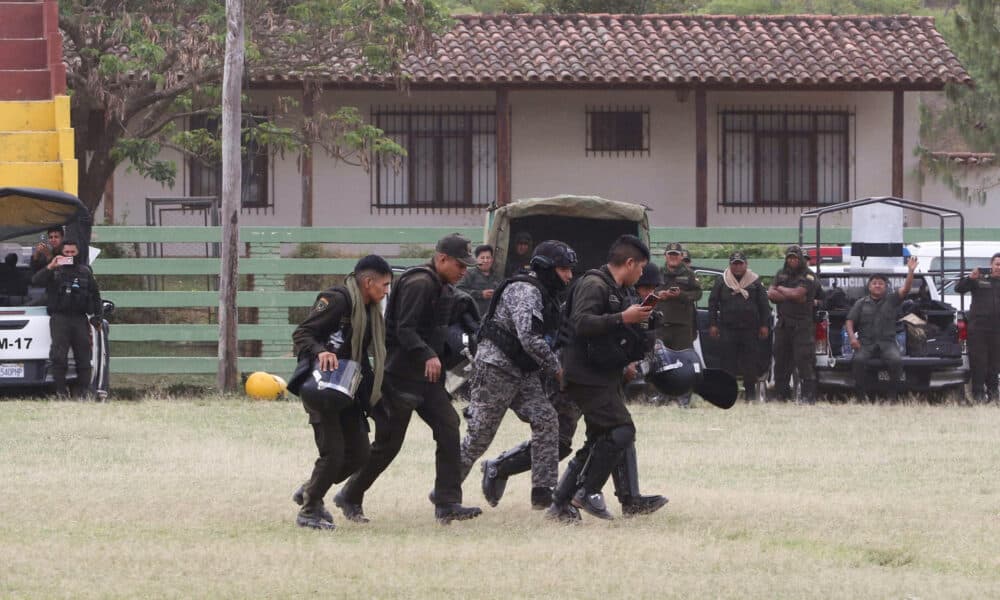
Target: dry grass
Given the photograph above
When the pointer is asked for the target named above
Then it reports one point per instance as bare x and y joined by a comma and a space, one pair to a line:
182, 499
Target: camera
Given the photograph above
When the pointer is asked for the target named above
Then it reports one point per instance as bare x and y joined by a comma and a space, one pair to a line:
984, 271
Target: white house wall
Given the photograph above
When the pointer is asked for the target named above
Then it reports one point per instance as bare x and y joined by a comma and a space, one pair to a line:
548, 157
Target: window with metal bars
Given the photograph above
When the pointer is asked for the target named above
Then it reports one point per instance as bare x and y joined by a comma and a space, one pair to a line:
784, 158
451, 160
616, 130
206, 179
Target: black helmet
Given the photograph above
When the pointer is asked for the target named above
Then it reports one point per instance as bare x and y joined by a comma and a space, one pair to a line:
673, 372
551, 254
332, 390
650, 276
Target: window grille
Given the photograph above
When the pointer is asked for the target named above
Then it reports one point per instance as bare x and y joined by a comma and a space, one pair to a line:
617, 130
451, 161
206, 179
779, 158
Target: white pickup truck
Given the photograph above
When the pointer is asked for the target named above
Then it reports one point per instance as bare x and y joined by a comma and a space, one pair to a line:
24, 322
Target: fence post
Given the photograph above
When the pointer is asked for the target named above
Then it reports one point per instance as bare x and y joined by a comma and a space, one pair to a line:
268, 315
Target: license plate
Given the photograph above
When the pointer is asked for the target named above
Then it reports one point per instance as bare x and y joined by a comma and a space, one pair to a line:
12, 371
884, 376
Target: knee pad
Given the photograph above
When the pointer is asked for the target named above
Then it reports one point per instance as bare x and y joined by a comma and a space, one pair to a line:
622, 437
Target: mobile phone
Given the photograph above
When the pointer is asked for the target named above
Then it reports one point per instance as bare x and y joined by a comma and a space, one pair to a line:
650, 301
985, 271
64, 260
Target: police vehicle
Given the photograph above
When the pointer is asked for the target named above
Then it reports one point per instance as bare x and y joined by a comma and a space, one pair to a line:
25, 214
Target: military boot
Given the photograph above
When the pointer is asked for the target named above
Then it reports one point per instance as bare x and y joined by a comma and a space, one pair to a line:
541, 498
808, 392
626, 479
446, 513
562, 496
311, 516
299, 498
496, 471
593, 504
352, 512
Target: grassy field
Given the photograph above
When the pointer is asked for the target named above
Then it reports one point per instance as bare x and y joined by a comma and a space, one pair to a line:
183, 498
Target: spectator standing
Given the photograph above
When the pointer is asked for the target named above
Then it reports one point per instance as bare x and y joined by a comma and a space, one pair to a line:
482, 281
984, 329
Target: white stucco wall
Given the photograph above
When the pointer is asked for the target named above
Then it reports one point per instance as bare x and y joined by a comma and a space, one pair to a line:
548, 131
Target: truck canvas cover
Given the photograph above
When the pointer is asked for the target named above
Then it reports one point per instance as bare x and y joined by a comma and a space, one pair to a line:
24, 211
587, 223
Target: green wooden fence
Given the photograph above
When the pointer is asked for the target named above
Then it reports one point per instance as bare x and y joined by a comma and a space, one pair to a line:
269, 268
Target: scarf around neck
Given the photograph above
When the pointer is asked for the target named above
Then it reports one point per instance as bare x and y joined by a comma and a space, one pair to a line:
361, 315
739, 286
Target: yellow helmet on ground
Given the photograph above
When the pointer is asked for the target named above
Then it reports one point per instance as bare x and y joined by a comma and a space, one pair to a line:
264, 386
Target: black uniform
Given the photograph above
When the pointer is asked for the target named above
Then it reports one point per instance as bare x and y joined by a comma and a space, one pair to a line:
598, 346
795, 334
71, 294
984, 335
739, 321
341, 435
417, 317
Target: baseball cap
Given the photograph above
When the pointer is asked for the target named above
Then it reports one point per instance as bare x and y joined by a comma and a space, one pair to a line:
737, 257
674, 248
458, 247
794, 250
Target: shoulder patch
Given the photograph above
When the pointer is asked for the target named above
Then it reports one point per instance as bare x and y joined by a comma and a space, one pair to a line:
321, 305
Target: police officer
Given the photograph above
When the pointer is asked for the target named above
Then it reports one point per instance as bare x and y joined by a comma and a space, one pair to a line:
739, 316
482, 281
875, 317
794, 290
680, 293
514, 354
345, 324
984, 329
600, 341
417, 317
71, 295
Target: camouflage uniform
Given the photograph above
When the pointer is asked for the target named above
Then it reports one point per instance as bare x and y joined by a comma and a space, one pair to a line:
498, 385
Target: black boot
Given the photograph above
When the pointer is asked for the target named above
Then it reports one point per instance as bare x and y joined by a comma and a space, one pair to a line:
311, 516
561, 509
626, 479
446, 513
541, 497
299, 498
496, 471
593, 504
352, 512
808, 391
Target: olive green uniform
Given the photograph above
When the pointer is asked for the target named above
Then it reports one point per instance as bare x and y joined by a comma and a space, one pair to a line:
677, 326
795, 334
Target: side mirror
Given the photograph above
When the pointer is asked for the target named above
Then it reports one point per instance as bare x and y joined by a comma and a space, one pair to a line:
109, 308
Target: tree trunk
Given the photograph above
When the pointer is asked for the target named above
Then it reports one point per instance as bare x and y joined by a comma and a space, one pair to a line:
227, 379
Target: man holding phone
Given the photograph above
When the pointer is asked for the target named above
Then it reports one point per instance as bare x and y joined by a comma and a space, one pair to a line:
71, 294
984, 329
47, 249
678, 295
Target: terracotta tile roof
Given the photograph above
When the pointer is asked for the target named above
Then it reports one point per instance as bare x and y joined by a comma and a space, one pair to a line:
720, 51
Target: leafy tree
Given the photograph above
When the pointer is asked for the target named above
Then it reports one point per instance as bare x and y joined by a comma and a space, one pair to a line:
139, 68
973, 112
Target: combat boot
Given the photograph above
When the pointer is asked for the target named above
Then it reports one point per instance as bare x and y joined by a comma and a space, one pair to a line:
541, 497
808, 392
496, 471
564, 513
299, 498
592, 504
311, 516
446, 513
626, 479
352, 512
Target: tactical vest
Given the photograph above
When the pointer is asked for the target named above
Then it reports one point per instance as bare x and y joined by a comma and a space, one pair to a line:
508, 341
613, 351
71, 291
